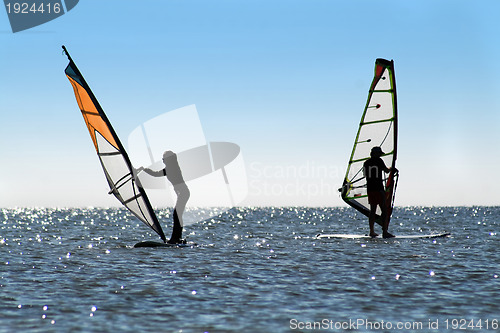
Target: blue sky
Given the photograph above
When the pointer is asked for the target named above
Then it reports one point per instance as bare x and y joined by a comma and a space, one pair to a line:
286, 80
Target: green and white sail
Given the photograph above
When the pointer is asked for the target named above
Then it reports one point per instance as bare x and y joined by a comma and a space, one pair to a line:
378, 127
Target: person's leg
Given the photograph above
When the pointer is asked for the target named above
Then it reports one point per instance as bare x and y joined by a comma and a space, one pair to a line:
371, 220
177, 229
385, 218
182, 198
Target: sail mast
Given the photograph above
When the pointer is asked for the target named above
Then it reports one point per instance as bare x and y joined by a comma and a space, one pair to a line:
395, 103
392, 181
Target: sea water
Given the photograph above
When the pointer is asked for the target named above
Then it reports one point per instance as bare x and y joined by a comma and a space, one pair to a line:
253, 270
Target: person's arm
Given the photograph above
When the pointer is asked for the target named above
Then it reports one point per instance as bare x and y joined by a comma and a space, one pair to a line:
387, 170
159, 173
384, 167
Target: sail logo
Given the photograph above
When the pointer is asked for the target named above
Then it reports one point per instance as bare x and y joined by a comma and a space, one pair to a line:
26, 14
214, 171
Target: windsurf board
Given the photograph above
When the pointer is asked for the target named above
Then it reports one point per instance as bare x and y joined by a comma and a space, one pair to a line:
357, 236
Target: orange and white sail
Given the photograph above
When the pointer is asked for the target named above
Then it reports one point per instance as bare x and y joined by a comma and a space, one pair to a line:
113, 157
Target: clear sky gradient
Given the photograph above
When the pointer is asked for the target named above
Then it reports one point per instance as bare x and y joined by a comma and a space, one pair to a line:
287, 80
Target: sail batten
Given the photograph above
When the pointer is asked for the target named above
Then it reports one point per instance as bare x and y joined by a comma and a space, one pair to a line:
114, 159
132, 199
377, 121
109, 154
378, 127
365, 158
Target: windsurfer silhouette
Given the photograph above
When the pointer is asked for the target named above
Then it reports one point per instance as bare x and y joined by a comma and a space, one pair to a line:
174, 174
373, 168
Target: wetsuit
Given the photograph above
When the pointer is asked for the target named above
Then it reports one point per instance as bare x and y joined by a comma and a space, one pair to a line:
373, 168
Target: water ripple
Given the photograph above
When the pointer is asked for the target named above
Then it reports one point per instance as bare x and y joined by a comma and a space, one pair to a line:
254, 269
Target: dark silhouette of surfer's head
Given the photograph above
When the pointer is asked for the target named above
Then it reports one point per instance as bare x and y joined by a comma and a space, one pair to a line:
376, 152
172, 168
169, 157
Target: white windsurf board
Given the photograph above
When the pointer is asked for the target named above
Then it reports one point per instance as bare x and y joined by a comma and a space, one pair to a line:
357, 236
